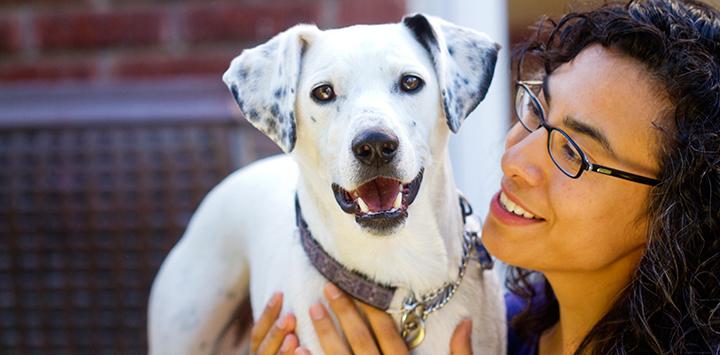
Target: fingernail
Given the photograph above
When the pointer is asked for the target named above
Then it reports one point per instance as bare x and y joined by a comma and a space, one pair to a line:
468, 327
283, 322
286, 344
302, 351
332, 291
275, 299
316, 311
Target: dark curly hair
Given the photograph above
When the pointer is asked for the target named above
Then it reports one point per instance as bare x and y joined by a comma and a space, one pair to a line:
672, 303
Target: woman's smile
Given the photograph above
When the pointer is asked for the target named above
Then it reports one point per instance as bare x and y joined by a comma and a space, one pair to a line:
508, 210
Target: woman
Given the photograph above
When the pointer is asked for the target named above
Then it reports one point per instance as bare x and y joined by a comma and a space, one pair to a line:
610, 192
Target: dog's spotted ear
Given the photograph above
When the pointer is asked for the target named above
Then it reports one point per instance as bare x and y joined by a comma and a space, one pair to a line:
264, 82
464, 61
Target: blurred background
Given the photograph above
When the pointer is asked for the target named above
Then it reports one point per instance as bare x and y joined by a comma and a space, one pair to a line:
114, 124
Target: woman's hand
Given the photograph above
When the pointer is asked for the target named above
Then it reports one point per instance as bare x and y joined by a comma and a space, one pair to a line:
380, 338
272, 335
360, 339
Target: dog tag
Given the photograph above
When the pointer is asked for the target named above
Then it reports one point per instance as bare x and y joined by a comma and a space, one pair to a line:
413, 327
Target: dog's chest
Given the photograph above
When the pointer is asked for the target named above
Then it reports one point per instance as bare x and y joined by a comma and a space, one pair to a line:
302, 285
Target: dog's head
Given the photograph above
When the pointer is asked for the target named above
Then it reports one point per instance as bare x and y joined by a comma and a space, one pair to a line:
364, 108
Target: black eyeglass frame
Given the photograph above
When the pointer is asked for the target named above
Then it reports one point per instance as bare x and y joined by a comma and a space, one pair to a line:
586, 165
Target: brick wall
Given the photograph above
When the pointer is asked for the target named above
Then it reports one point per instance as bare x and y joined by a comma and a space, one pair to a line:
110, 40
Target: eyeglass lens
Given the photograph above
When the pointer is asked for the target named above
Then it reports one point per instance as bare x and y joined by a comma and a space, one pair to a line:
564, 153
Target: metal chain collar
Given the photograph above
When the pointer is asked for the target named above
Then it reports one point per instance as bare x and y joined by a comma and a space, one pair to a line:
416, 310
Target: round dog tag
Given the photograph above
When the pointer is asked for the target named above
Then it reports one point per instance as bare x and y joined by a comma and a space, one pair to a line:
413, 327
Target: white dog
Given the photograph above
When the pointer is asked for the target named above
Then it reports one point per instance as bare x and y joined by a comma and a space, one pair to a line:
365, 113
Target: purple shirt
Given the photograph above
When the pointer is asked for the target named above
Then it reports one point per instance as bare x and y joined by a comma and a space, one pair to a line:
514, 305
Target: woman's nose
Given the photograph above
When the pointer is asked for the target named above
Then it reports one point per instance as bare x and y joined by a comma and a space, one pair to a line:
525, 156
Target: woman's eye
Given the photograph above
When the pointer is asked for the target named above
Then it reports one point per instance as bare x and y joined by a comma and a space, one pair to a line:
570, 153
410, 83
323, 93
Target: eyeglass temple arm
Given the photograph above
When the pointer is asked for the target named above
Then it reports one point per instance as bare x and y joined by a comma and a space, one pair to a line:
622, 174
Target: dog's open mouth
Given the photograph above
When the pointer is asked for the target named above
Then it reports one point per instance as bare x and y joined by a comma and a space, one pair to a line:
380, 203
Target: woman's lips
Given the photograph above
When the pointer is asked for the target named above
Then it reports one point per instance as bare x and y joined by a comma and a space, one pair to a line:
500, 212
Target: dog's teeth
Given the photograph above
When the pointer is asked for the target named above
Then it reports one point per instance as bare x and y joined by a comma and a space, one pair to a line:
363, 206
398, 200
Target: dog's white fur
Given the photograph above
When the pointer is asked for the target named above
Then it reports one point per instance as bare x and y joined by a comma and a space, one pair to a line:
244, 233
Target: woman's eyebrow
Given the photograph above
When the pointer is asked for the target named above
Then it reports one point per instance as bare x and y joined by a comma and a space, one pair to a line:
589, 131
579, 126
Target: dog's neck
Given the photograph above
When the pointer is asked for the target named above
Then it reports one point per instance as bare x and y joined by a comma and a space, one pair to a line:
423, 255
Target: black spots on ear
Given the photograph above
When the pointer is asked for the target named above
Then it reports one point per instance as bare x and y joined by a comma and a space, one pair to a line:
451, 50
291, 136
423, 32
243, 73
312, 118
448, 95
489, 70
252, 115
236, 95
449, 118
413, 123
458, 106
280, 93
275, 110
271, 127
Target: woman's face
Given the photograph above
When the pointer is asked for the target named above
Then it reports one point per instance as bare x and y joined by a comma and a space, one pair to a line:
583, 224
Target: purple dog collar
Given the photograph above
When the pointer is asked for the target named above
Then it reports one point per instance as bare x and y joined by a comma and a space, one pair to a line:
359, 285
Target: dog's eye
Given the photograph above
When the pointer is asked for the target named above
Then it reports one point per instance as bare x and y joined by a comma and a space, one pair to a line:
410, 83
323, 93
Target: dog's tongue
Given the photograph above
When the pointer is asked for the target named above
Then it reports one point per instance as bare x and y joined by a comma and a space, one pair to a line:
379, 194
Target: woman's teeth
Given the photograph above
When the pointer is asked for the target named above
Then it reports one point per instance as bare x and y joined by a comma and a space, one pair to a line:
513, 208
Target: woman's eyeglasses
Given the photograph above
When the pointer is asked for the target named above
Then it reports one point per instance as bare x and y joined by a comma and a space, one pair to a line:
564, 152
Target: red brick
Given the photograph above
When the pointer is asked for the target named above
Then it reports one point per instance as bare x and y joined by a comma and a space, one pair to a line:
9, 36
90, 30
47, 71
167, 66
245, 22
353, 12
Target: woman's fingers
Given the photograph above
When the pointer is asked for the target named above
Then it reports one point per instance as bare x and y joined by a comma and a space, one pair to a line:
460, 342
355, 329
289, 344
274, 338
384, 329
330, 340
267, 318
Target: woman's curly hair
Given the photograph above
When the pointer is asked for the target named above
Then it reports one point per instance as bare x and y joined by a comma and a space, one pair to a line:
672, 303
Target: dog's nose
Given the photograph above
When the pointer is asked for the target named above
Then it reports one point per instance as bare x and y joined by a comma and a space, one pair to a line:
375, 147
